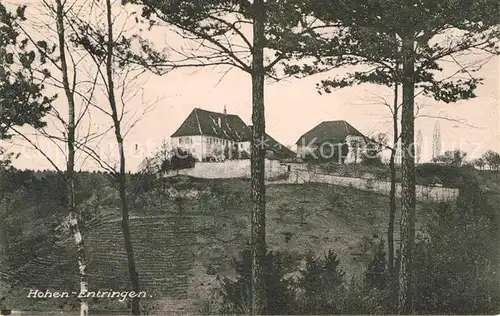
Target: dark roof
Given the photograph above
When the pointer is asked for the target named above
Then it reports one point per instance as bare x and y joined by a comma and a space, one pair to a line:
203, 122
328, 131
280, 151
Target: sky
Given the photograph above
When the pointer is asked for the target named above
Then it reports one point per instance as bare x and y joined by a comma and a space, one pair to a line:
293, 106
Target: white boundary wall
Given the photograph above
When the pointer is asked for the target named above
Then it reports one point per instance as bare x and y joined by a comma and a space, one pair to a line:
231, 169
424, 193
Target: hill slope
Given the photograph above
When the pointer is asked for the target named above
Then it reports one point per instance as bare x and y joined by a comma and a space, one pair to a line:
182, 243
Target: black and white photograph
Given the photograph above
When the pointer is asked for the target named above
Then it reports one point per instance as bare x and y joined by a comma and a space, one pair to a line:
249, 157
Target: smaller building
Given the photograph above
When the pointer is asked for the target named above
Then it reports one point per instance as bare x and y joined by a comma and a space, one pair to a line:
331, 134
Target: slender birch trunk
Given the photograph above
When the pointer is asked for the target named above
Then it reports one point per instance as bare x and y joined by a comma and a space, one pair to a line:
70, 177
258, 288
134, 277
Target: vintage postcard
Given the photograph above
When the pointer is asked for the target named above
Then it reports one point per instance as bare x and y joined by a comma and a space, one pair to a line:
260, 157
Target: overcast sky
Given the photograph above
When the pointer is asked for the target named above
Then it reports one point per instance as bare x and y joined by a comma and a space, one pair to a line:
293, 107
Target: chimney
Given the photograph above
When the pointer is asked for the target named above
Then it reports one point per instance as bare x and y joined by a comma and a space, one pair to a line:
225, 112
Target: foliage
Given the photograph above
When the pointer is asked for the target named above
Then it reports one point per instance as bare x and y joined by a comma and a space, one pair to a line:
458, 257
6, 158
492, 159
449, 176
280, 295
376, 275
371, 155
319, 287
375, 40
452, 158
321, 283
217, 25
356, 146
479, 163
40, 203
23, 100
178, 159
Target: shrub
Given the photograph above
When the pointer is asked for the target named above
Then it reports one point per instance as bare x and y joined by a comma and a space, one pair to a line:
321, 284
280, 293
178, 159
455, 256
371, 157
453, 176
376, 272
452, 158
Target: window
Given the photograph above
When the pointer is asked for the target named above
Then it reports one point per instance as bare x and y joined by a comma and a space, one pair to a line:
181, 140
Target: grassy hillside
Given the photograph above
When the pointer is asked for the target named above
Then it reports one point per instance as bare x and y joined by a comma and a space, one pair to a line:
186, 236
300, 218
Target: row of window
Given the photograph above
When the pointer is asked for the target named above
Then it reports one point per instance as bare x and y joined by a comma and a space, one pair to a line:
185, 140
209, 140
214, 140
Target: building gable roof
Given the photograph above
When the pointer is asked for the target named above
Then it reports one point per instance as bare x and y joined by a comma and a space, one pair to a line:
328, 131
203, 122
280, 151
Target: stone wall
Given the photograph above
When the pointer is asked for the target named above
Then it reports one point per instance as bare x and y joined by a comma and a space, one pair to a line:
231, 169
424, 193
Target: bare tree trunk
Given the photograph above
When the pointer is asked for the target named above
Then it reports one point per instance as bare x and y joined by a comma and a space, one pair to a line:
407, 244
70, 177
392, 193
134, 277
258, 287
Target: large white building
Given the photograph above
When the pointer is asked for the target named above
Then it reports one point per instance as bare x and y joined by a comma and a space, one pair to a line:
211, 136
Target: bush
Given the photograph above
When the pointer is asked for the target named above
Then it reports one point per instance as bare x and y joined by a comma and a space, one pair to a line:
457, 257
321, 284
371, 155
178, 159
451, 176
452, 158
318, 289
376, 272
280, 294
